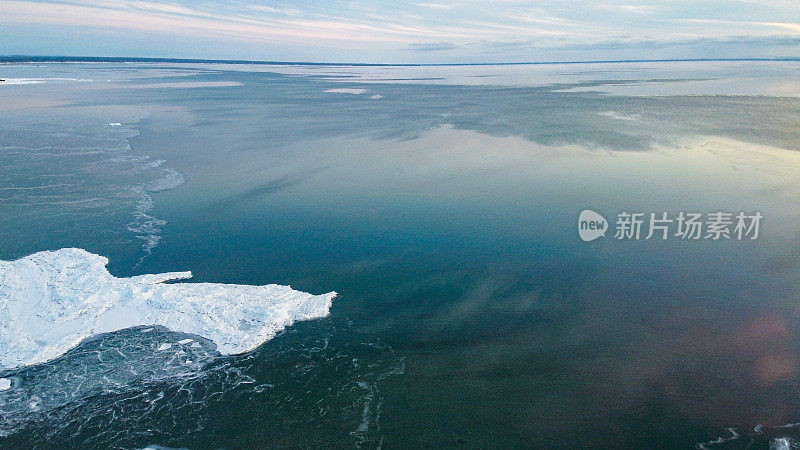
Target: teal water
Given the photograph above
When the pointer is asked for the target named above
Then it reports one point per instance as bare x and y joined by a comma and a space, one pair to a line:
444, 213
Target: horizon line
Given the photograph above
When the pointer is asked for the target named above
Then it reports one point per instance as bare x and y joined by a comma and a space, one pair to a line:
6, 59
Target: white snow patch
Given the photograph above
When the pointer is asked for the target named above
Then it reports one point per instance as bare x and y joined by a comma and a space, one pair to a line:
115, 124
5, 384
617, 116
50, 301
375, 97
164, 346
353, 91
19, 81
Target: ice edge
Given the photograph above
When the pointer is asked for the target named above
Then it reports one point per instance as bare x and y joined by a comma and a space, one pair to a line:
53, 300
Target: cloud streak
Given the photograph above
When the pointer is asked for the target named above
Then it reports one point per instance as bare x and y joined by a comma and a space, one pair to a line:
432, 46
454, 29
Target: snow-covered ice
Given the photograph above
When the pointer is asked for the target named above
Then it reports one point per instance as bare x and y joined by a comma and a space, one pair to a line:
19, 81
50, 301
353, 91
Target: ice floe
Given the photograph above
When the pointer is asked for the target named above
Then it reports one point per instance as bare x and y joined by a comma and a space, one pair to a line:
618, 116
51, 301
20, 81
353, 91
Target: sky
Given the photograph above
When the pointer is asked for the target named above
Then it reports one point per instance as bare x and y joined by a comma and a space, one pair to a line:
404, 31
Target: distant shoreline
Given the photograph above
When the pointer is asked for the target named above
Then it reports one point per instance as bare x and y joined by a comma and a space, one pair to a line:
12, 59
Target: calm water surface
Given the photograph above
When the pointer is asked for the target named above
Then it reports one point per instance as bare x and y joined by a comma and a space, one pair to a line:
442, 204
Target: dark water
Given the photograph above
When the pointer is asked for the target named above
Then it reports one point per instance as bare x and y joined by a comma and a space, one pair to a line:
470, 313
